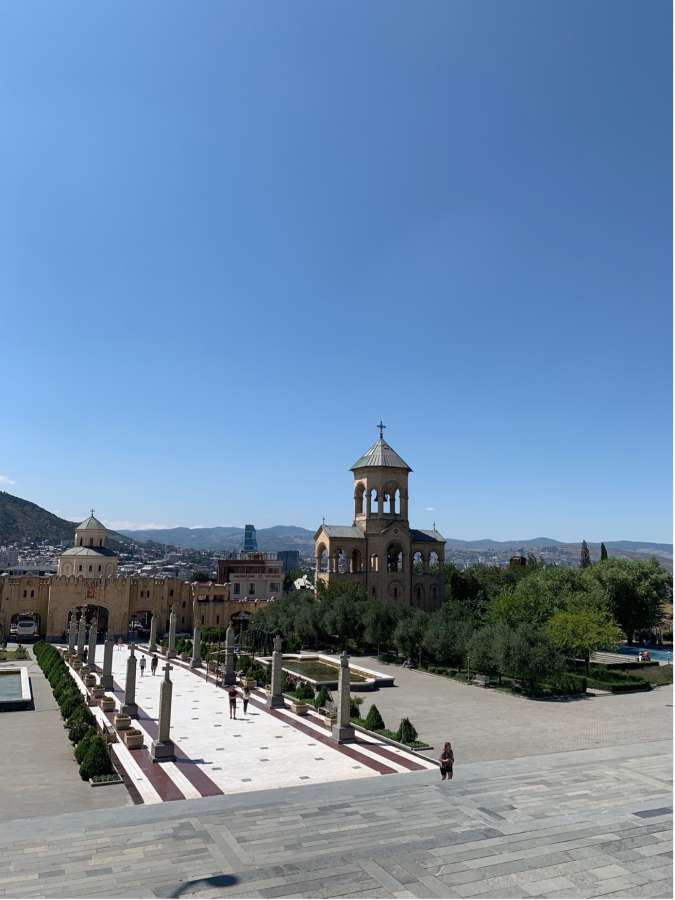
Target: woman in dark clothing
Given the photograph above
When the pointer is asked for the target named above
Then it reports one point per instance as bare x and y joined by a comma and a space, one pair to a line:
233, 702
446, 761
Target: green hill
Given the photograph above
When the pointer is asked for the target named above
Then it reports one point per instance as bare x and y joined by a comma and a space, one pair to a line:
24, 522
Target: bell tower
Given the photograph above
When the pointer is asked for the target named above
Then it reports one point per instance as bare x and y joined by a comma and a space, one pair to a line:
380, 485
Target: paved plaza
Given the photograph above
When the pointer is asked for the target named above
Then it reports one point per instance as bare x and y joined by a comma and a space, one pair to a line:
38, 774
219, 755
485, 724
590, 821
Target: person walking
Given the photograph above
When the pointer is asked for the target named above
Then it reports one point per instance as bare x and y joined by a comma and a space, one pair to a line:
153, 663
233, 702
141, 665
119, 643
246, 696
446, 761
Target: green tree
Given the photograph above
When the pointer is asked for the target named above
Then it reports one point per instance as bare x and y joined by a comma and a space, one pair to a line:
585, 556
582, 630
447, 632
200, 576
407, 733
603, 553
409, 634
486, 649
635, 592
379, 623
529, 655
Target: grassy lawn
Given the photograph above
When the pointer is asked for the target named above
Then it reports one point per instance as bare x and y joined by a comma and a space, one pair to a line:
10, 655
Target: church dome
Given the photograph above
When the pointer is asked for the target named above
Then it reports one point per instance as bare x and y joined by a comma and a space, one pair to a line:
381, 454
91, 523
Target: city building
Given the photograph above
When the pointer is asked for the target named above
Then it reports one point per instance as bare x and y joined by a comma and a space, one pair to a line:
290, 559
379, 550
250, 539
255, 575
122, 603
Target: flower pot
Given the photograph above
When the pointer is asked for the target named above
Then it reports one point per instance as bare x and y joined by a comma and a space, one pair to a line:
329, 721
249, 683
90, 680
97, 692
107, 703
121, 721
299, 707
133, 738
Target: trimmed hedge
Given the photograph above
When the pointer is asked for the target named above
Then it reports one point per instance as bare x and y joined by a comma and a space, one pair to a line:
374, 720
90, 750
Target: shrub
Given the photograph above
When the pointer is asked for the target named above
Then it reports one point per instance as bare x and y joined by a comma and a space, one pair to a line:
407, 733
374, 720
95, 760
322, 698
354, 704
70, 704
78, 730
81, 714
83, 745
304, 691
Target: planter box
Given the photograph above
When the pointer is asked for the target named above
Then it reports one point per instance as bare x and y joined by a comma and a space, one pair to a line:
90, 680
122, 721
185, 657
115, 780
97, 692
133, 738
249, 683
107, 703
329, 721
299, 707
76, 663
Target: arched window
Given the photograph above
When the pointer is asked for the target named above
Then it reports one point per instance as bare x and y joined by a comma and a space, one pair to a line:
374, 562
355, 565
418, 563
374, 501
341, 561
359, 499
322, 558
394, 558
433, 561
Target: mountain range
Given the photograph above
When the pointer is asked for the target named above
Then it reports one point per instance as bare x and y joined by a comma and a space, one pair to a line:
24, 522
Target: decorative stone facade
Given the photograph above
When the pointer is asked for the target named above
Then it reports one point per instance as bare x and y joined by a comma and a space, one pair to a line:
380, 551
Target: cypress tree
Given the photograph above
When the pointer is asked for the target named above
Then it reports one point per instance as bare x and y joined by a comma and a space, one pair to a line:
603, 552
585, 558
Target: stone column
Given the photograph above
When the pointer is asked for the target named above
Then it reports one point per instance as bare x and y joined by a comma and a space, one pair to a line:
229, 678
275, 698
162, 749
130, 708
81, 635
196, 660
93, 634
72, 635
343, 730
106, 677
152, 645
171, 652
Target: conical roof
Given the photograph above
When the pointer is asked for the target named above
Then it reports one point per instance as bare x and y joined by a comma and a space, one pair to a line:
381, 454
90, 523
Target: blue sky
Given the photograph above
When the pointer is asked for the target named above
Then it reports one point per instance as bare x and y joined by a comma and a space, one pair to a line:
233, 235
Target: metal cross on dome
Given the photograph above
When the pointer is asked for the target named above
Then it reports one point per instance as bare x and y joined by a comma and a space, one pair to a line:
381, 426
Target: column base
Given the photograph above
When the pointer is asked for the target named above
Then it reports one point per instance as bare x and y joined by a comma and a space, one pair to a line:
129, 709
343, 733
229, 678
162, 751
171, 654
107, 682
152, 648
275, 702
195, 663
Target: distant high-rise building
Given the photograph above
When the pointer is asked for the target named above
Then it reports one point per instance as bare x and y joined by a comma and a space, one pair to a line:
250, 539
290, 559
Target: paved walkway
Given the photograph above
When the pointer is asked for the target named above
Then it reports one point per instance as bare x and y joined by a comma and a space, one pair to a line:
592, 823
38, 773
485, 724
218, 755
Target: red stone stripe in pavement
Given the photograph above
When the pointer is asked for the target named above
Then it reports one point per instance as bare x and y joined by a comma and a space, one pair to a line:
196, 776
346, 749
381, 750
